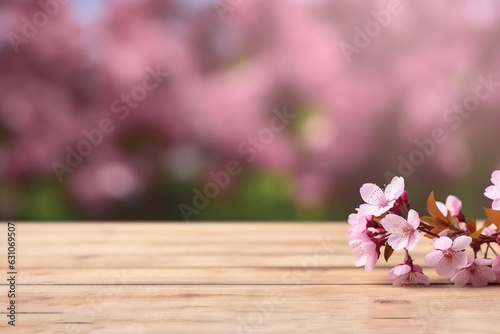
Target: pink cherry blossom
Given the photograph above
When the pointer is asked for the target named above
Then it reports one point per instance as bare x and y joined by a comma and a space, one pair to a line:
404, 274
365, 250
477, 271
493, 192
496, 268
404, 233
378, 201
449, 255
402, 204
358, 223
490, 230
453, 206
496, 264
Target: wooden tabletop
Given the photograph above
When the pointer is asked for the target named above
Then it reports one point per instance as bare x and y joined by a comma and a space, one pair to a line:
222, 278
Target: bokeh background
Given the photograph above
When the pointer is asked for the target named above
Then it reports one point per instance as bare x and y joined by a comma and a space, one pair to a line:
230, 63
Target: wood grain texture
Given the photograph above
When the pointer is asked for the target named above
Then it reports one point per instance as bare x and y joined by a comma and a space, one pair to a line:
222, 278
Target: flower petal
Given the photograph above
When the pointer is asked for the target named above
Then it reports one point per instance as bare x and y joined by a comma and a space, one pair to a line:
498, 276
395, 189
413, 240
483, 262
413, 219
454, 205
371, 261
443, 243
482, 276
420, 278
495, 177
371, 193
358, 222
417, 268
391, 274
496, 204
396, 242
399, 281
461, 278
461, 243
442, 207
392, 222
360, 262
488, 273
433, 258
373, 210
496, 264
492, 192
461, 260
446, 267
401, 269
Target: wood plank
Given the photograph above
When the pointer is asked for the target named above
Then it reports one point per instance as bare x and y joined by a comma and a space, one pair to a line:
218, 245
212, 276
223, 278
338, 309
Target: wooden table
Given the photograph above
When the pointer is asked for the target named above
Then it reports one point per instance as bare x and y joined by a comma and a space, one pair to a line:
222, 278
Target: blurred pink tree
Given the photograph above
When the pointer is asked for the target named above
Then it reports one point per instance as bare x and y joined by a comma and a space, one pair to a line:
355, 118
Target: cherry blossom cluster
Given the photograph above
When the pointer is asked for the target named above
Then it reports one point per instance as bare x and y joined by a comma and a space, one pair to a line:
462, 251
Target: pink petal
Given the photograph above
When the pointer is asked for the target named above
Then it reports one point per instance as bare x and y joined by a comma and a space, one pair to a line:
454, 205
417, 268
413, 240
492, 192
483, 262
360, 262
443, 243
446, 267
353, 219
496, 204
495, 177
413, 219
369, 247
401, 269
433, 258
461, 243
442, 207
392, 222
373, 210
497, 276
391, 274
384, 209
478, 280
371, 193
357, 221
483, 276
444, 232
395, 189
396, 242
371, 261
461, 278
461, 260
488, 273
421, 278
470, 260
399, 281
496, 264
